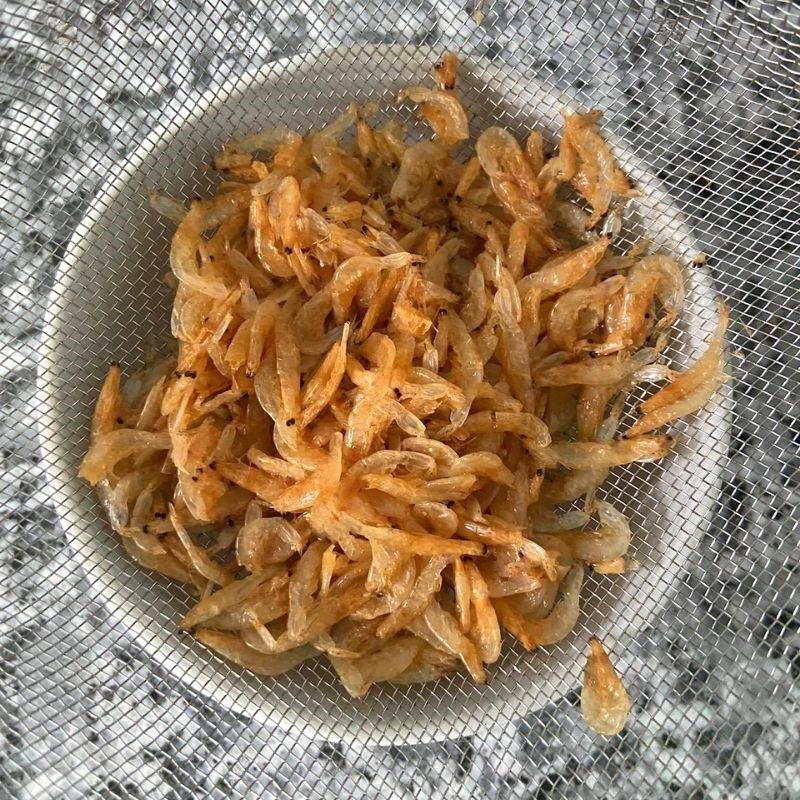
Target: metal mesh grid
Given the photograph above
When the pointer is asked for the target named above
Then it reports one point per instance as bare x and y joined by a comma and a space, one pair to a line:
706, 96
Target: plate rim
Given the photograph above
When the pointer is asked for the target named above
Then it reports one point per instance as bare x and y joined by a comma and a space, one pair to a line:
190, 674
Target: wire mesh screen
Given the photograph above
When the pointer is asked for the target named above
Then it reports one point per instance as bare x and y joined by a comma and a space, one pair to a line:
101, 698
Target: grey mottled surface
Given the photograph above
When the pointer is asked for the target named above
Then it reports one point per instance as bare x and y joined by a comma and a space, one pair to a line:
707, 92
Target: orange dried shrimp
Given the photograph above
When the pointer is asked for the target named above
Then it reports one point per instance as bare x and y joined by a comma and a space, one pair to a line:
392, 367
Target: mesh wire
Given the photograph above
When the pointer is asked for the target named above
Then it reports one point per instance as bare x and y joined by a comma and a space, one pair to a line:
705, 95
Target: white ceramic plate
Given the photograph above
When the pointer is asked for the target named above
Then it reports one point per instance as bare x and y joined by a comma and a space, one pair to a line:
109, 302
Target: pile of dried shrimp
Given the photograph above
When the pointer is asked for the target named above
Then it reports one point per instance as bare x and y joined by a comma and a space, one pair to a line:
393, 366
